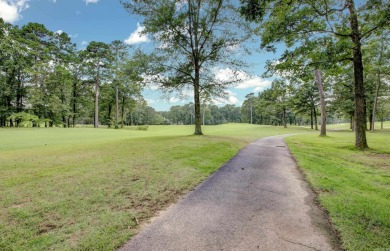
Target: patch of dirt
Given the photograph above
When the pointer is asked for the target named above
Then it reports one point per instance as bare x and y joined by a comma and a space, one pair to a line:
46, 227
376, 160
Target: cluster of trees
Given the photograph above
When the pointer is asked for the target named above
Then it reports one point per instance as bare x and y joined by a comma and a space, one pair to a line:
296, 101
328, 38
211, 114
327, 42
323, 37
44, 79
193, 37
295, 97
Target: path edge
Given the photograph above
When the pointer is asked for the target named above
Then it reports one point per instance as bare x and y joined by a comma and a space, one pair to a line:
332, 233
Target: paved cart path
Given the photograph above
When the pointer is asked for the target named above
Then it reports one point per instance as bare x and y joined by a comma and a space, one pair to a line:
256, 201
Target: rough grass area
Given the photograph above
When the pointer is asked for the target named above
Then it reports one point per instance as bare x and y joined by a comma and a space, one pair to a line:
353, 186
88, 189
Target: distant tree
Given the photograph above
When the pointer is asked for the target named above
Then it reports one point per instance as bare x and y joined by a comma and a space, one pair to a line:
195, 37
97, 56
120, 54
377, 61
249, 102
305, 99
343, 97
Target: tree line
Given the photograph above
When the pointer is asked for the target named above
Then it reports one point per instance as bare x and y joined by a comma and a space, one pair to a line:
46, 81
321, 37
327, 37
327, 43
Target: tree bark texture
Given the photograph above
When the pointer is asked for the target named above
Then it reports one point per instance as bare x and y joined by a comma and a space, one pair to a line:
97, 87
360, 98
74, 107
378, 86
251, 113
311, 119
116, 106
123, 113
284, 118
198, 122
322, 102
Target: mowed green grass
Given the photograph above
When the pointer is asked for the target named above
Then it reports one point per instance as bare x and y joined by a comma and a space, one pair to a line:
88, 189
353, 186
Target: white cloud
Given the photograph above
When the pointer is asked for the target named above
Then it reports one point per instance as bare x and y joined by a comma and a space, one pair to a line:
244, 80
174, 100
10, 9
136, 37
255, 83
59, 32
90, 1
53, 1
229, 75
84, 42
230, 99
233, 48
74, 35
150, 101
233, 100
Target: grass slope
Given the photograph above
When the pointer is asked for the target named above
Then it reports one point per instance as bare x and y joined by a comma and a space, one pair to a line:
353, 186
87, 189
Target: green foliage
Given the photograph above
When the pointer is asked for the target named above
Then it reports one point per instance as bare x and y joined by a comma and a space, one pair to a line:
253, 10
211, 114
321, 34
143, 128
23, 119
43, 74
271, 105
193, 39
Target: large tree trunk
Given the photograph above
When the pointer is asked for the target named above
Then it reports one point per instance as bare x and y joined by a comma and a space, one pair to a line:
370, 120
74, 103
251, 113
109, 115
284, 118
116, 107
383, 41
96, 121
360, 98
198, 122
378, 86
322, 102
311, 119
123, 112
19, 94
204, 114
315, 119
64, 116
351, 122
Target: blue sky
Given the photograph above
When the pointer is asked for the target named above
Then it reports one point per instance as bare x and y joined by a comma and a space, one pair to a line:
106, 20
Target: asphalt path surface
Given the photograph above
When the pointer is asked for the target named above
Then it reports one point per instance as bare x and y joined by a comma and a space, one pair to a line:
257, 201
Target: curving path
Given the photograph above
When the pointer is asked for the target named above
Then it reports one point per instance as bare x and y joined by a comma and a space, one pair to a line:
256, 201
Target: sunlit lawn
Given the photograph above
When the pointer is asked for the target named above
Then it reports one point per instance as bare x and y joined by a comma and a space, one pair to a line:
353, 186
88, 189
